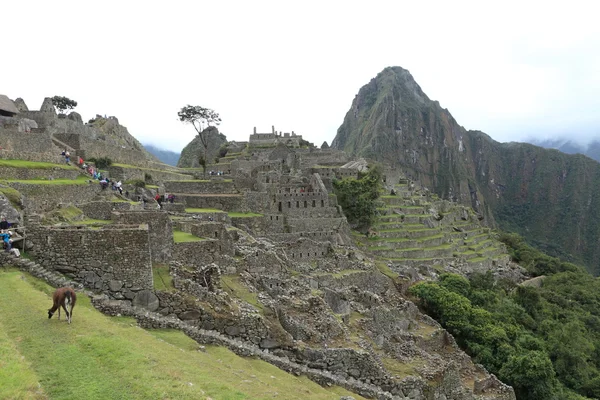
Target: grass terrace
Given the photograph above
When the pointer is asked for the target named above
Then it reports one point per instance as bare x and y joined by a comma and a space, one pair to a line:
203, 180
112, 358
81, 180
184, 237
203, 210
243, 215
33, 164
162, 280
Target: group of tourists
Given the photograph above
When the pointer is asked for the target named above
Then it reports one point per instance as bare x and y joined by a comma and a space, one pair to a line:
66, 155
216, 173
6, 237
167, 197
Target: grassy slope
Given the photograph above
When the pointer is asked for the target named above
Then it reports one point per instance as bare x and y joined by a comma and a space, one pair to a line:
100, 357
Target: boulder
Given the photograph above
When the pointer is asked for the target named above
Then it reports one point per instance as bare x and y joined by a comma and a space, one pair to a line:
75, 116
146, 299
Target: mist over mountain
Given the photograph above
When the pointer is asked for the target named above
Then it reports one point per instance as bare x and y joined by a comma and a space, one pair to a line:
167, 156
591, 149
549, 197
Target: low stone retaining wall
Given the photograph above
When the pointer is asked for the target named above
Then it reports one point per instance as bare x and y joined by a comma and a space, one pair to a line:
38, 173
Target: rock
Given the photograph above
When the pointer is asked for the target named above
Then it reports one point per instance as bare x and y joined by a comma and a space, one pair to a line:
146, 299
347, 398
75, 116
354, 372
47, 106
233, 330
7, 209
190, 315
269, 344
114, 285
20, 104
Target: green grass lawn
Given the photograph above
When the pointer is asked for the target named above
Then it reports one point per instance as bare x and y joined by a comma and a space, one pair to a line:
101, 357
33, 164
183, 237
81, 180
243, 215
202, 210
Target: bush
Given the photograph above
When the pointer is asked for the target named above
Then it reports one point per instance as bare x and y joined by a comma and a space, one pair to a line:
100, 163
147, 177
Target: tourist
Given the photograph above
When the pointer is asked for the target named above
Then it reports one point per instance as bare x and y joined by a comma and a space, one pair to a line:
6, 240
67, 157
158, 200
4, 224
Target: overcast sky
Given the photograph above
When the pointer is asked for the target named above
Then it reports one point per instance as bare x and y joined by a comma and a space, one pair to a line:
512, 70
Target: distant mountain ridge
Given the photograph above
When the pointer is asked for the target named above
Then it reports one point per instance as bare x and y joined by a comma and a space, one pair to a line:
550, 198
591, 150
166, 156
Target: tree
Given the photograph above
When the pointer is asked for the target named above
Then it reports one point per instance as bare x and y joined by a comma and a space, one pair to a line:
358, 197
63, 104
201, 118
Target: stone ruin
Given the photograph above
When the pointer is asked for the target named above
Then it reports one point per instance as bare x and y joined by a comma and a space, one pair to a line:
262, 258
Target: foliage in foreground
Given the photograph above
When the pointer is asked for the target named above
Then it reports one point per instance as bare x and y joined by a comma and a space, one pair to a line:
358, 197
545, 341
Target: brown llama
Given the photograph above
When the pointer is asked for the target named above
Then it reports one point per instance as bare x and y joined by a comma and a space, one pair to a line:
63, 297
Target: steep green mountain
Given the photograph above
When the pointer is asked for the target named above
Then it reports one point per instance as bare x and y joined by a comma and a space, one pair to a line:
551, 198
166, 156
190, 153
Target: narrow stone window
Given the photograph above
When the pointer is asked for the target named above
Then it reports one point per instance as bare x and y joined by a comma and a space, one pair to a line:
305, 204
314, 203
322, 203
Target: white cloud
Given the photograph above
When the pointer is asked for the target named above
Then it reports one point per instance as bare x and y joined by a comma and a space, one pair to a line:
513, 70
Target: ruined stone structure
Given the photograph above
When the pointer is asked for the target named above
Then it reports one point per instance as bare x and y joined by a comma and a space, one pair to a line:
261, 259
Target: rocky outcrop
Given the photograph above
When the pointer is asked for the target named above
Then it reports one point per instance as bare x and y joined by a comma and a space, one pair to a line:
546, 196
190, 153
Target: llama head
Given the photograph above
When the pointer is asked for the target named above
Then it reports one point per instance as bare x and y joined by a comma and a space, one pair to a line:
50, 314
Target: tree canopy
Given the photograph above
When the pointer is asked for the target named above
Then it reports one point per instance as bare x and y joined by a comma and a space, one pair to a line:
358, 197
63, 104
544, 341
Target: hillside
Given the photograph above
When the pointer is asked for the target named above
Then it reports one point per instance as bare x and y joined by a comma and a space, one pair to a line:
100, 357
166, 156
549, 197
591, 149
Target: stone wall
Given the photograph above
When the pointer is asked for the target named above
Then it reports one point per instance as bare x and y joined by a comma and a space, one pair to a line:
38, 173
126, 174
227, 202
215, 186
104, 209
45, 197
198, 253
115, 259
30, 146
160, 231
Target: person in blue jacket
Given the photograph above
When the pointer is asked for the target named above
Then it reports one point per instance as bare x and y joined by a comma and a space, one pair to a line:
6, 238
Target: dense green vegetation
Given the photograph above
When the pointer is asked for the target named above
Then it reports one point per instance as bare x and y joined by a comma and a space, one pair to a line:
358, 197
544, 341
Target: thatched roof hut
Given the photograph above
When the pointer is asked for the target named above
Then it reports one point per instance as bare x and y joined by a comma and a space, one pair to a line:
7, 107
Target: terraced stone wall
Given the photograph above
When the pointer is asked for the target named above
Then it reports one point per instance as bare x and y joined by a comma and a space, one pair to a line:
45, 197
115, 260
104, 209
160, 231
38, 173
213, 186
198, 253
126, 174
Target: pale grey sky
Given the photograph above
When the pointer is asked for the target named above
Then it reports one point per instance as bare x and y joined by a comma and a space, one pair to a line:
513, 69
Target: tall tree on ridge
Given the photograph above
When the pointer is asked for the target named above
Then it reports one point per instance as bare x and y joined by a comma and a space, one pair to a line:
201, 118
